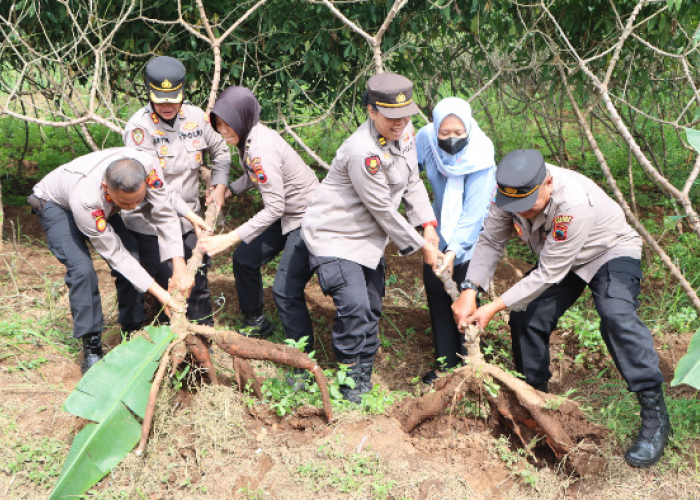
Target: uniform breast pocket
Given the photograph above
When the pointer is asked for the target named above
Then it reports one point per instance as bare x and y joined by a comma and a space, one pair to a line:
195, 151
395, 177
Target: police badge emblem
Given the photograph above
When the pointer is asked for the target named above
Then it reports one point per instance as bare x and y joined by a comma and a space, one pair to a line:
137, 135
372, 164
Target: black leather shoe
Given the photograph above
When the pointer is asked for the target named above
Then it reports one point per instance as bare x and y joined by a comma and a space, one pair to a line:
128, 331
299, 379
648, 447
92, 351
361, 373
430, 377
255, 324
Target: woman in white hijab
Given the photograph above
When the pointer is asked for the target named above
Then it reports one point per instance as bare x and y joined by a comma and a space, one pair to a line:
459, 161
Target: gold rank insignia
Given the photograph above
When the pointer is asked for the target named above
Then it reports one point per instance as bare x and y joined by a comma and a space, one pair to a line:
206, 118
401, 98
154, 118
162, 162
181, 112
108, 198
166, 84
382, 140
158, 133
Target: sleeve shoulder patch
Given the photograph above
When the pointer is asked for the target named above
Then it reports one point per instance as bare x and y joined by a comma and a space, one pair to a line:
372, 164
560, 227
100, 220
153, 180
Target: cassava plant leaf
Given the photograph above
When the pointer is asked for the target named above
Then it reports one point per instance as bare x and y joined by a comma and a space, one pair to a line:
112, 393
688, 369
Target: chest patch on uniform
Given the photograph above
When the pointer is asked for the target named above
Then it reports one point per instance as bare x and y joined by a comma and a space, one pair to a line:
196, 144
518, 229
190, 126
154, 118
137, 135
560, 227
198, 157
163, 151
100, 221
162, 162
153, 180
372, 164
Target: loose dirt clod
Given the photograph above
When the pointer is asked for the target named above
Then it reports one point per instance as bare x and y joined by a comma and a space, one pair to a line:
530, 414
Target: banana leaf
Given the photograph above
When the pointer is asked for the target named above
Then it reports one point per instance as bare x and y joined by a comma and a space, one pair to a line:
688, 369
112, 393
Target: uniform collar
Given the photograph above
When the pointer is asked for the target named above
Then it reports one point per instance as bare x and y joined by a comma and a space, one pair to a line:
181, 115
379, 139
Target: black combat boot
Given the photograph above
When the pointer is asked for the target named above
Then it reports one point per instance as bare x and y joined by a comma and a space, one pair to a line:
255, 324
361, 374
653, 436
92, 350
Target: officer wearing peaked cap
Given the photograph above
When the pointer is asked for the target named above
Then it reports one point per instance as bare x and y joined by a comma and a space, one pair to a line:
354, 213
583, 240
177, 135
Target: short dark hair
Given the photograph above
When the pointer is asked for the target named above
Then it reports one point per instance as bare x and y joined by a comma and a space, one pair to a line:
365, 101
126, 175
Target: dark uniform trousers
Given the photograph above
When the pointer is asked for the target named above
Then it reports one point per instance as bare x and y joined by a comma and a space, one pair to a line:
293, 273
447, 338
615, 288
145, 248
69, 246
357, 293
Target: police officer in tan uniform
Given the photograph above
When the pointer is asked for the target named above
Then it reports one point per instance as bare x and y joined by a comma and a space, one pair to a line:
79, 202
355, 212
177, 135
287, 185
582, 239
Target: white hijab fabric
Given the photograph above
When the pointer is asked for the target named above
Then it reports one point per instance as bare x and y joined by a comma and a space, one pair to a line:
477, 155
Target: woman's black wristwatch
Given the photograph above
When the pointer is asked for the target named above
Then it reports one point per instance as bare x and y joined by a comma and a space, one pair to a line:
469, 285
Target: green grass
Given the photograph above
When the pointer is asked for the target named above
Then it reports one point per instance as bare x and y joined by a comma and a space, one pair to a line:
20, 336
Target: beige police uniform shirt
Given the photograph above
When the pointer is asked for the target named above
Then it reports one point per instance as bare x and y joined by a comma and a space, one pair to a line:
581, 229
355, 209
77, 186
179, 150
286, 183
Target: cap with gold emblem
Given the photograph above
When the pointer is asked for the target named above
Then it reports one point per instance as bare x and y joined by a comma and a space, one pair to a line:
392, 94
518, 178
165, 78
